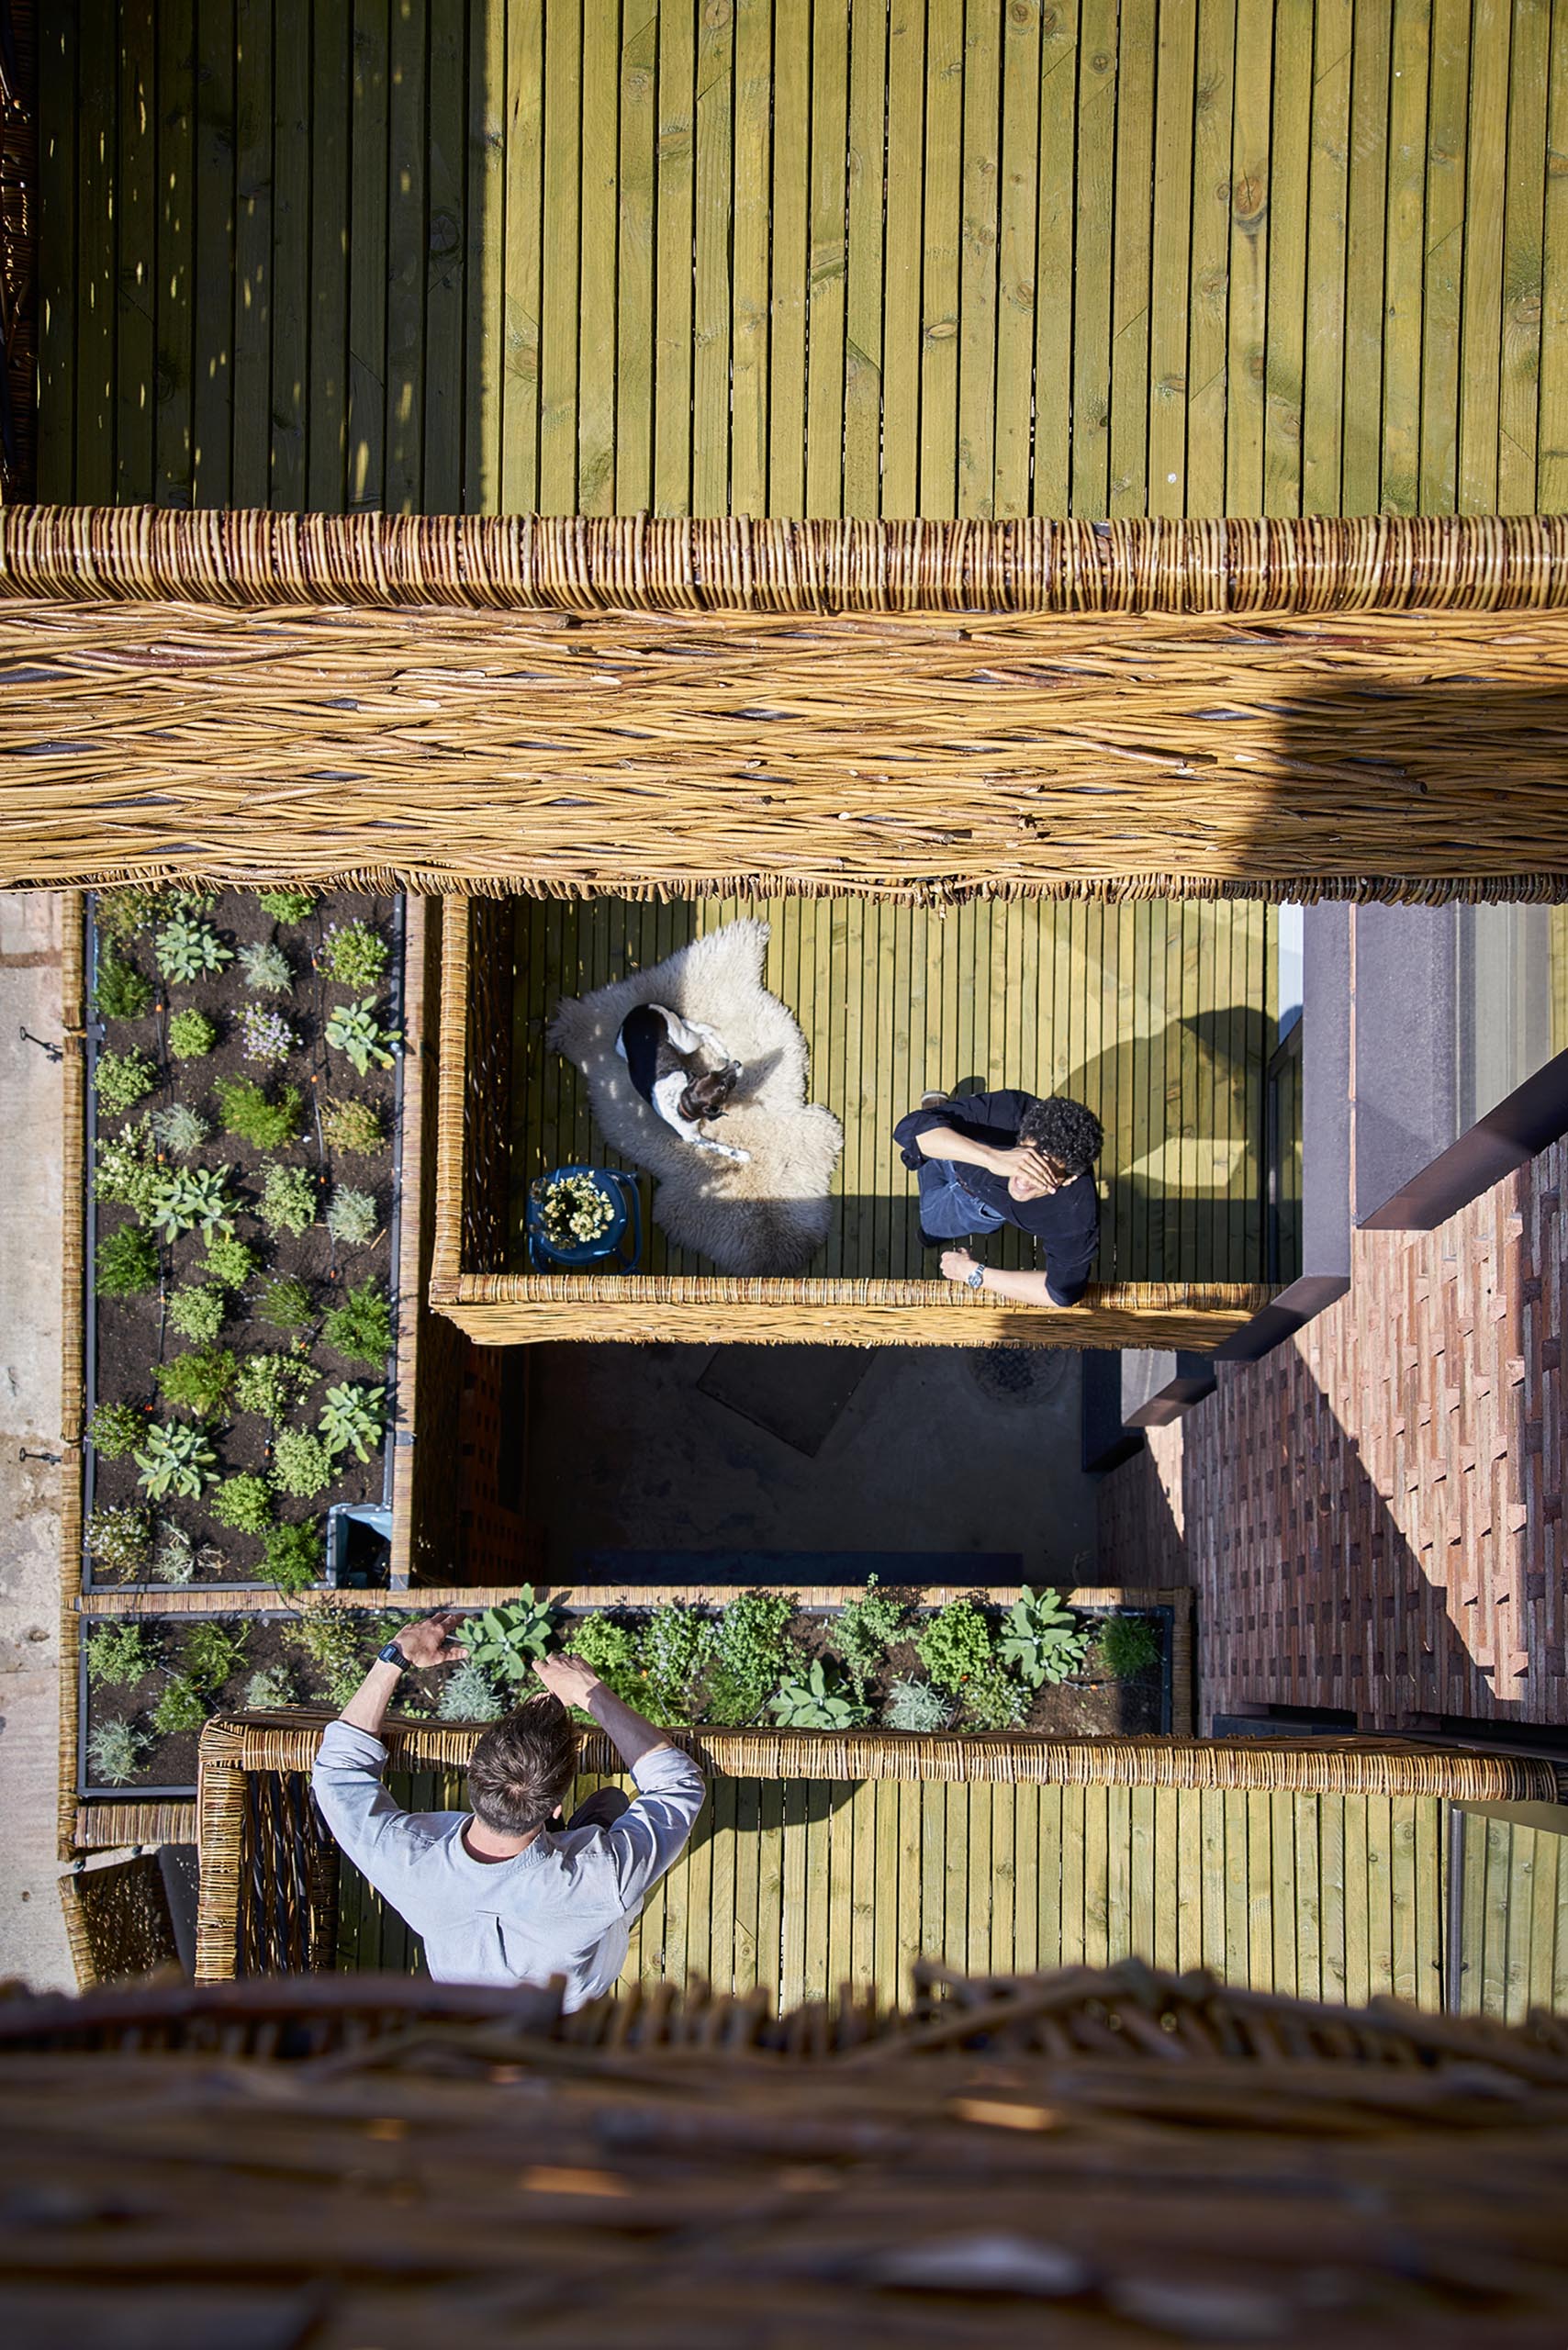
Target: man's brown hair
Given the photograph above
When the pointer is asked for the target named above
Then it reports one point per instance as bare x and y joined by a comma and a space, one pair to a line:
523, 1766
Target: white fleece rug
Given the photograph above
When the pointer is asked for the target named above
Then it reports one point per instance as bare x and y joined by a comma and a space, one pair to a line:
770, 1215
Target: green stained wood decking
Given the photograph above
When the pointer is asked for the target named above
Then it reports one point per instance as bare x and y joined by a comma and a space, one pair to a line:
1159, 1015
896, 257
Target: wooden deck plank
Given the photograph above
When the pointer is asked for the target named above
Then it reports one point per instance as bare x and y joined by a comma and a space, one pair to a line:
170, 269
828, 259
1308, 1958
1331, 1897
791, 263
912, 1881
1018, 213
1002, 1887
901, 262
1481, 298
724, 1899
1405, 1922
1238, 1895
293, 202
1092, 303
449, 294
1365, 236
1072, 1829
326, 407
1323, 404
860, 1831
838, 1940
1404, 269
367, 256
57, 320
1261, 1888
863, 262
711, 285
96, 259
980, 232
1284, 354
1207, 381
748, 260
980, 1861
1131, 283
940, 258
1285, 1890
884, 1973
484, 219
1096, 1871
560, 308
1172, 245
253, 64
1038, 1826
770, 1889
1119, 1941
1250, 231
1527, 170
954, 1831
1551, 427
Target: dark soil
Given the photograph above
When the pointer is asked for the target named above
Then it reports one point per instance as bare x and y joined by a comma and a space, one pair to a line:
132, 1334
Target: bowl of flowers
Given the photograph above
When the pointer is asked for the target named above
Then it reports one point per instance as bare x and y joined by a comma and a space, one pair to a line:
579, 1216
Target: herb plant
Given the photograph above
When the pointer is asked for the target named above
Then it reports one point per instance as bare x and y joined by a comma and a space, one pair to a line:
200, 1381
182, 1706
677, 1649
191, 1196
331, 1641
270, 1384
122, 1080
177, 1561
119, 991
286, 905
507, 1640
1127, 1645
816, 1700
120, 1540
351, 1419
180, 1128
360, 1329
228, 1262
865, 1631
293, 1556
351, 1127
187, 949
126, 1264
285, 1305
196, 1311
244, 1501
289, 1199
751, 1654
246, 1111
114, 1750
265, 1035
955, 1645
468, 1694
213, 1653
1041, 1640
126, 1172
351, 1217
266, 967
120, 914
916, 1705
119, 1655
177, 1459
993, 1699
608, 1648
192, 1035
354, 955
115, 1430
353, 1030
301, 1464
269, 1689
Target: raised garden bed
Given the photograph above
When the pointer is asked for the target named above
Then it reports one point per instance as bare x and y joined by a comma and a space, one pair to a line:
225, 1012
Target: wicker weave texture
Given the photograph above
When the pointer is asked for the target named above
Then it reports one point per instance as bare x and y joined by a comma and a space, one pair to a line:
117, 1921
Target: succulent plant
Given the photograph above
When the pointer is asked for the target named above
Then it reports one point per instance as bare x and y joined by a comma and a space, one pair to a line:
351, 1217
189, 948
121, 1080
353, 1030
267, 968
177, 1459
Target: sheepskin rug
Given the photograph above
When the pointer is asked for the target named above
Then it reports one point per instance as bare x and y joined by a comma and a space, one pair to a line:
770, 1215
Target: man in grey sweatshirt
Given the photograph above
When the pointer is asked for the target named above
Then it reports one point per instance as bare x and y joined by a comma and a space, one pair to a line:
505, 1893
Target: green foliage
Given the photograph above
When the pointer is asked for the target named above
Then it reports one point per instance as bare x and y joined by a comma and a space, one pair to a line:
353, 1127
678, 1647
119, 991
609, 1647
181, 1706
285, 1306
353, 1030
115, 1430
1041, 1640
267, 968
270, 1384
1127, 1645
213, 1653
751, 1654
468, 1694
294, 1556
187, 1197
127, 1173
351, 1217
196, 1311
119, 1655
177, 1459
286, 905
269, 1689
122, 1079
265, 1033
244, 1501
126, 1264
355, 954
177, 1561
865, 1631
506, 1641
246, 1110
816, 1700
993, 1700
187, 948
360, 1329
351, 1419
301, 1464
120, 1540
200, 1381
228, 1262
180, 1128
916, 1705
121, 913
332, 1643
955, 1645
289, 1199
114, 1750
192, 1035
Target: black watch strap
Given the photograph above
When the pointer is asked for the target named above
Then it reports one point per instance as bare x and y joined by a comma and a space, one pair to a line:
392, 1654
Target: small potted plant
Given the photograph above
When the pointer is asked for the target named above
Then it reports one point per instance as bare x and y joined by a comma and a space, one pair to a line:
580, 1216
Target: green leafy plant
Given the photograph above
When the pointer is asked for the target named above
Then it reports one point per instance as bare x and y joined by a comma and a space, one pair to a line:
266, 1034
121, 913
180, 1128
351, 1419
468, 1694
865, 1631
353, 1030
677, 1649
114, 1750
916, 1705
126, 1264
609, 1647
507, 1640
289, 1199
189, 1197
285, 1306
294, 1555
115, 1430
353, 1126
177, 1459
182, 1706
1041, 1640
360, 1329
301, 1464
187, 949
270, 1689
332, 1643
213, 1653
177, 1561
246, 1110
351, 1217
244, 1501
286, 905
816, 1700
121, 1080
119, 1655
270, 1384
751, 1654
126, 1171
955, 1645
120, 1540
119, 990
267, 968
1127, 1645
228, 1262
993, 1700
354, 955
200, 1381
192, 1035
196, 1311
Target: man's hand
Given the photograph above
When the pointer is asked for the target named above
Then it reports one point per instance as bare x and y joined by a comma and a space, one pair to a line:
1023, 1159
957, 1264
567, 1677
428, 1643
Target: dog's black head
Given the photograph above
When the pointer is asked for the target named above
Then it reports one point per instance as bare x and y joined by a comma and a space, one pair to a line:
707, 1096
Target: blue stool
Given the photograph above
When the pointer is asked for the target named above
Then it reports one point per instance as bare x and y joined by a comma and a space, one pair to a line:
616, 1249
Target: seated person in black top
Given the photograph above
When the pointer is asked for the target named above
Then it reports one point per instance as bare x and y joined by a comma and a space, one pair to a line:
985, 1159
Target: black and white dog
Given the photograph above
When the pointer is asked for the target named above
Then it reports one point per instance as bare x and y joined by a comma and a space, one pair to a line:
662, 1057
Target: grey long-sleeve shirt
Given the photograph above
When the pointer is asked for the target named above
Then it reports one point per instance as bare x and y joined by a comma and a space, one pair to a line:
563, 1905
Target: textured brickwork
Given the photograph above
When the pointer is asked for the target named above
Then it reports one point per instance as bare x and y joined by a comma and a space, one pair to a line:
1373, 1517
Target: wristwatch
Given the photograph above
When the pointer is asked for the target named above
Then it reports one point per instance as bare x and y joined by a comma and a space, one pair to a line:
392, 1654
975, 1280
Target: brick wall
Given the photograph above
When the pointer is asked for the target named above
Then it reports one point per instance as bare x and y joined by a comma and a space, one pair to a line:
1373, 1517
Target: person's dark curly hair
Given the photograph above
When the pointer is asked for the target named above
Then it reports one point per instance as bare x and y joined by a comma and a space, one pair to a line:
1068, 1135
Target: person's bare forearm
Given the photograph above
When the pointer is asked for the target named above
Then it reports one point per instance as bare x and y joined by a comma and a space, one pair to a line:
1023, 1289
367, 1709
630, 1732
944, 1142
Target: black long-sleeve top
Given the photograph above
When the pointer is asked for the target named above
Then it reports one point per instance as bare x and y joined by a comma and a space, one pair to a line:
1065, 1223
